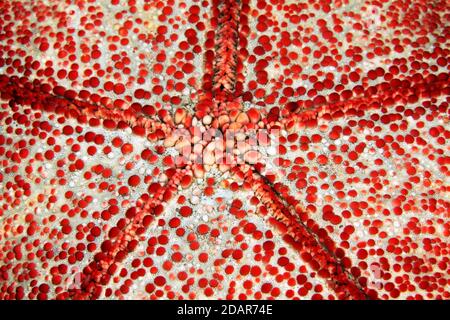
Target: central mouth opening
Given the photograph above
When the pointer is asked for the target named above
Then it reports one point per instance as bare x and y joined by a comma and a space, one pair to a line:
211, 147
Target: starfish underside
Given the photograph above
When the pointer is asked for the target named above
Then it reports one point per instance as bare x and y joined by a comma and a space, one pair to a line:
224, 149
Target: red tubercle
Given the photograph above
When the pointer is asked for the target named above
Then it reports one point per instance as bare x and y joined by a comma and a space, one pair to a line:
41, 96
121, 241
226, 49
348, 102
313, 244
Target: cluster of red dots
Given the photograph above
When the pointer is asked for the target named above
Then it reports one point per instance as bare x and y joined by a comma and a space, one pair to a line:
95, 202
375, 177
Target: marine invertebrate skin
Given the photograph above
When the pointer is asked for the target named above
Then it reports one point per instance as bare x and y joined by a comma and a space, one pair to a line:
233, 149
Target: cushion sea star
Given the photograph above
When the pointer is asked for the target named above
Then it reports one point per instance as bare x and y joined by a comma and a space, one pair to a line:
224, 149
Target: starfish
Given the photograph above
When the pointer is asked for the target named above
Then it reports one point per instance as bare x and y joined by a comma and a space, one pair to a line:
232, 149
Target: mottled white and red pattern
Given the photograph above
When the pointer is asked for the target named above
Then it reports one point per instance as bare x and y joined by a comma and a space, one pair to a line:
100, 198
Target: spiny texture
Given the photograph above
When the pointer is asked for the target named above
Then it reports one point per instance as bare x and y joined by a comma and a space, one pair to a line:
252, 149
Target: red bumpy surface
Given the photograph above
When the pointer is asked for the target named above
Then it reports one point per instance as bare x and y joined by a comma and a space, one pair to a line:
117, 180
